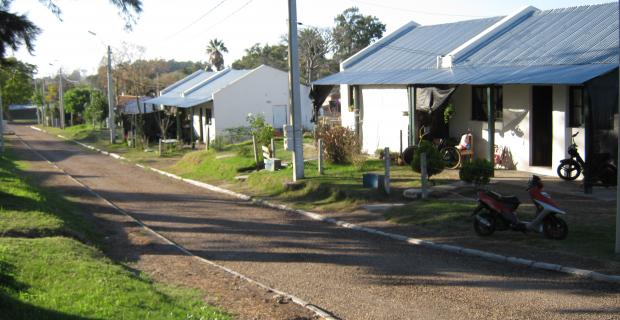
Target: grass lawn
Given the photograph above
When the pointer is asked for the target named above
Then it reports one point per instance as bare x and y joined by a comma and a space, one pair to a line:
339, 188
48, 275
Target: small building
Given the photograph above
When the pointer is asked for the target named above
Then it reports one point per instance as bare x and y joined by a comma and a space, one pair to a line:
217, 101
549, 74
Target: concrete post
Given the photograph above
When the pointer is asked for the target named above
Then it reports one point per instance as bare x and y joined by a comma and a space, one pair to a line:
160, 147
386, 181
255, 152
273, 148
208, 137
111, 115
320, 156
424, 175
491, 125
295, 101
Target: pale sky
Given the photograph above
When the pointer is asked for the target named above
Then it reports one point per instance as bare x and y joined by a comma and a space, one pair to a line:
181, 29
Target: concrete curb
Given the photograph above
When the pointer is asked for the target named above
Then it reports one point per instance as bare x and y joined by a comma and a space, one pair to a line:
412, 241
313, 308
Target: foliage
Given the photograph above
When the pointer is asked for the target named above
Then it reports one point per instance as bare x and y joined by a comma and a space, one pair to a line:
434, 162
17, 30
96, 109
76, 99
478, 171
260, 128
314, 45
355, 31
272, 55
340, 144
218, 143
215, 50
448, 112
15, 81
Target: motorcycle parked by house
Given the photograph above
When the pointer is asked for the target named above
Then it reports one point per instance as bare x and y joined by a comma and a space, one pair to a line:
603, 169
498, 212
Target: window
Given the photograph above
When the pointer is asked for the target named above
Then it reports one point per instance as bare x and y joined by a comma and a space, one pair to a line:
479, 102
577, 101
208, 116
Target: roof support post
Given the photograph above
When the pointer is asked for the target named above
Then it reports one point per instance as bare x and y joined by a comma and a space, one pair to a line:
491, 124
412, 95
587, 176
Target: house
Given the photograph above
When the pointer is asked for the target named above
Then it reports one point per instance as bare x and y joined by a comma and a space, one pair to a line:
217, 101
547, 74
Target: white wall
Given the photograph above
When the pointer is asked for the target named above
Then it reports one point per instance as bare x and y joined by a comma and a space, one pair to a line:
347, 117
383, 118
256, 93
211, 127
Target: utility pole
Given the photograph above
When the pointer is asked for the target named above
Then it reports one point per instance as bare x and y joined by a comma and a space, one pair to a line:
1, 125
111, 121
294, 95
618, 177
61, 99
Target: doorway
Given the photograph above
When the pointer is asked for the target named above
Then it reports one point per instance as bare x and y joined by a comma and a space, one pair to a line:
542, 126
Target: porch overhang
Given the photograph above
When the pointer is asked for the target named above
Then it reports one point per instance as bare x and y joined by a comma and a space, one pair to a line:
474, 75
179, 102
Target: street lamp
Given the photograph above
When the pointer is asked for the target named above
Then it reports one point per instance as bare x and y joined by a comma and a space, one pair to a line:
111, 120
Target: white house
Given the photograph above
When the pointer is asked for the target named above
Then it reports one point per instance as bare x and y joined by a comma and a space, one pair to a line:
549, 73
221, 100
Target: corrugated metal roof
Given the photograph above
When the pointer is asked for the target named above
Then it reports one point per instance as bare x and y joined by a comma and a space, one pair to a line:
578, 35
191, 80
560, 74
202, 88
560, 46
414, 47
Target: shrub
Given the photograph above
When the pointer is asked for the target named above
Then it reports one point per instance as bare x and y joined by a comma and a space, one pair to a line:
434, 163
218, 143
261, 129
340, 144
478, 171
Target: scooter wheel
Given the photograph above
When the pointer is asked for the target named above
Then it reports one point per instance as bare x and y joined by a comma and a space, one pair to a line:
555, 228
569, 170
481, 228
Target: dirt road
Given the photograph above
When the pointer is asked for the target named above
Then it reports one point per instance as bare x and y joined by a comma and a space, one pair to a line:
352, 274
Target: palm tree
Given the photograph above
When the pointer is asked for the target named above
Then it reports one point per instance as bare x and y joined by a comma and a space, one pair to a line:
215, 48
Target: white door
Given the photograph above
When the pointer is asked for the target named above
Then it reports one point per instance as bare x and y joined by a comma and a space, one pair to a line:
279, 116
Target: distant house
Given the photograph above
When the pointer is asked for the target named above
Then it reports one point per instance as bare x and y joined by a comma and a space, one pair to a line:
550, 73
221, 100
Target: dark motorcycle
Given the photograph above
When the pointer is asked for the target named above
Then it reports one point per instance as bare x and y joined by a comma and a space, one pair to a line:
603, 169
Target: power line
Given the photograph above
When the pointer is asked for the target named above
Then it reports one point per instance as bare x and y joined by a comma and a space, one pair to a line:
414, 11
230, 15
197, 20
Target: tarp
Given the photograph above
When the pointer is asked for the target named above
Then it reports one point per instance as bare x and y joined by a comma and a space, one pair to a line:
474, 75
429, 99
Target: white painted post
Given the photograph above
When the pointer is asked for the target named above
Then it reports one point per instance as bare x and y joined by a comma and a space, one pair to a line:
208, 138
386, 181
424, 177
294, 94
273, 149
320, 156
160, 147
255, 152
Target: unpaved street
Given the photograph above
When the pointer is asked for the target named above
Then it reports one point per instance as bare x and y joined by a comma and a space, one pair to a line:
352, 274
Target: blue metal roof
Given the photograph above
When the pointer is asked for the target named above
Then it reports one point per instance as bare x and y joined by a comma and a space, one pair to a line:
570, 36
191, 80
416, 47
477, 75
560, 46
198, 89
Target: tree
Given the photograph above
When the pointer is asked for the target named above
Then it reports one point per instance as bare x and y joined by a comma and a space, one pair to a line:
76, 100
16, 30
354, 31
96, 110
15, 82
215, 48
272, 55
314, 45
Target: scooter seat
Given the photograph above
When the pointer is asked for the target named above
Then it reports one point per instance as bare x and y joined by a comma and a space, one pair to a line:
510, 200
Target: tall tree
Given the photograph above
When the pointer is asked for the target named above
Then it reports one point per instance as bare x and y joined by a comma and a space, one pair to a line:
15, 82
76, 99
355, 31
96, 110
215, 50
314, 45
272, 55
16, 30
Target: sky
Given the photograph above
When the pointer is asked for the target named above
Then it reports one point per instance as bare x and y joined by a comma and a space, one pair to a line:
181, 29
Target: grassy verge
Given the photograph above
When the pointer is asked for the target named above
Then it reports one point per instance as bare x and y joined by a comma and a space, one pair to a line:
339, 188
588, 236
58, 277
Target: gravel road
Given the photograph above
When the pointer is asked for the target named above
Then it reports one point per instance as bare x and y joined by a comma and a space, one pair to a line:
352, 274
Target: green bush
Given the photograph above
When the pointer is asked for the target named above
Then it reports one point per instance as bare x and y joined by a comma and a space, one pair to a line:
218, 143
340, 144
478, 171
261, 129
434, 163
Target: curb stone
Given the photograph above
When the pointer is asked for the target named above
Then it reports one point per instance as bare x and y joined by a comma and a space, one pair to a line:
583, 273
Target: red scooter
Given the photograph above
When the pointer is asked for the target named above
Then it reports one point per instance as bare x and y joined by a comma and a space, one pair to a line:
498, 212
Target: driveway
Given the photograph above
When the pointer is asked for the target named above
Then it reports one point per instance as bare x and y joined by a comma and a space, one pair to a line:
352, 274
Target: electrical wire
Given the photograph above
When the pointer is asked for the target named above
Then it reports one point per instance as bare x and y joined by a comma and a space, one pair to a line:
413, 11
196, 21
229, 16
